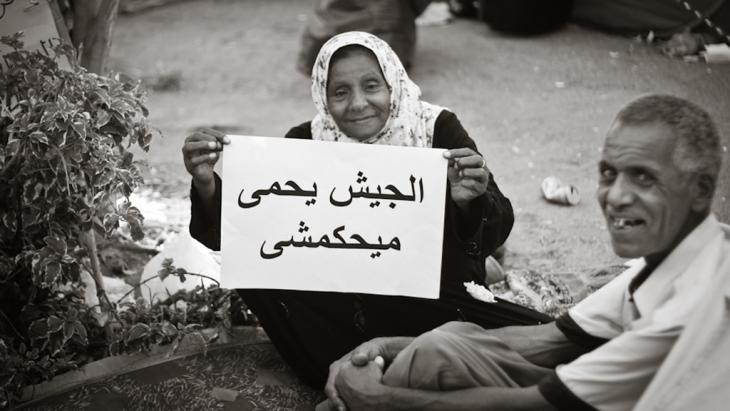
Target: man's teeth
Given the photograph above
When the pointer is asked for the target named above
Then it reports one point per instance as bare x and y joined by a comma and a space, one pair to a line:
623, 222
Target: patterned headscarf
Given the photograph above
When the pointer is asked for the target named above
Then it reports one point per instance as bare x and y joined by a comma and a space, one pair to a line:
410, 121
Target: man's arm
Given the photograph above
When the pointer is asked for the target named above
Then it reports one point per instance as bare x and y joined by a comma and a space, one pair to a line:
361, 389
544, 345
358, 383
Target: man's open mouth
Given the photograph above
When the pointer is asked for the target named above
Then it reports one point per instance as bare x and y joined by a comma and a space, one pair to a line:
623, 223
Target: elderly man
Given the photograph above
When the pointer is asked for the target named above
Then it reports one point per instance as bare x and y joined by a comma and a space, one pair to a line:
657, 178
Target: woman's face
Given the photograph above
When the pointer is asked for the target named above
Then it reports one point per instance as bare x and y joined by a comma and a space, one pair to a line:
357, 95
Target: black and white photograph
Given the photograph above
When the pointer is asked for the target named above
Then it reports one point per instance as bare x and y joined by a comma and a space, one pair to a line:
332, 205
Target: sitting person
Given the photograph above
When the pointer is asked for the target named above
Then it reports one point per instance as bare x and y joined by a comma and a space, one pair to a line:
392, 21
657, 178
363, 95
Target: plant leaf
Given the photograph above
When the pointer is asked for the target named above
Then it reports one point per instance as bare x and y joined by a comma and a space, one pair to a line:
55, 324
80, 330
57, 244
68, 331
52, 273
38, 329
137, 331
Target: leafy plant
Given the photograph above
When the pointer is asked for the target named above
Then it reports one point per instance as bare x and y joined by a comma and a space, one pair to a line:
66, 173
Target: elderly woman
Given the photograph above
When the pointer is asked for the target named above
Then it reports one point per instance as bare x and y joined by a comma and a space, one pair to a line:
363, 95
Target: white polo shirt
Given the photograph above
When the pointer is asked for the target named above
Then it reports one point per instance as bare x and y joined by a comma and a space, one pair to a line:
642, 329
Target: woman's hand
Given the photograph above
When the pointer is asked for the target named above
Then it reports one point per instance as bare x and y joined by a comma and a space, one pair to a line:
468, 175
200, 153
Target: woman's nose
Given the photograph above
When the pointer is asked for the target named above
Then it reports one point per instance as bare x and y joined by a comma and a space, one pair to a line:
359, 101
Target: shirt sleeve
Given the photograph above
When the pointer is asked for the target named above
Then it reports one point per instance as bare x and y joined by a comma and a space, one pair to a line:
577, 335
560, 396
491, 217
602, 313
613, 376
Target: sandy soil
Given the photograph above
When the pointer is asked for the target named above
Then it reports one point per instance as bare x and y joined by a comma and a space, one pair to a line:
535, 106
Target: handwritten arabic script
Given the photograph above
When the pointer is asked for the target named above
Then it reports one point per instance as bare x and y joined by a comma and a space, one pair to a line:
332, 217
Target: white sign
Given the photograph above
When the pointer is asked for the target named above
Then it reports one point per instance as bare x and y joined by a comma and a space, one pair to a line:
312, 215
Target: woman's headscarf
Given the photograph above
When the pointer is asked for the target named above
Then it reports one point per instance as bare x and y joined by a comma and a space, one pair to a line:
410, 121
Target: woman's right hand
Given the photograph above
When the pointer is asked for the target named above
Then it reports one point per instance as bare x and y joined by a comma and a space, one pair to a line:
200, 153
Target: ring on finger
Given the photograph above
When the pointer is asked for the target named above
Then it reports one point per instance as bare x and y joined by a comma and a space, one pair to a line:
484, 163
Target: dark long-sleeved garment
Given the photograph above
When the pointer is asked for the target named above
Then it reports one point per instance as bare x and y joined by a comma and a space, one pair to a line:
312, 329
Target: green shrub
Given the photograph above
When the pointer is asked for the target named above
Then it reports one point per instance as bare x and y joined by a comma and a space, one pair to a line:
66, 174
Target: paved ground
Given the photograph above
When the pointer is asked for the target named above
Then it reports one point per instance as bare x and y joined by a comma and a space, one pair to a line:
536, 106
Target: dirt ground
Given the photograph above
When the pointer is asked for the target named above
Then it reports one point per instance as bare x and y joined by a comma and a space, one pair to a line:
535, 106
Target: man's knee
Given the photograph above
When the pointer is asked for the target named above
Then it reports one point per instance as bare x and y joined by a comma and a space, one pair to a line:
461, 327
421, 364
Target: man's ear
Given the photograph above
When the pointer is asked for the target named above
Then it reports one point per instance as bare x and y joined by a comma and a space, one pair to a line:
703, 189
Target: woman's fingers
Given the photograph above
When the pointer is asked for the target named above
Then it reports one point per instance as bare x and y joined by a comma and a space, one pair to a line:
474, 161
464, 158
208, 134
203, 147
203, 158
459, 152
195, 146
479, 174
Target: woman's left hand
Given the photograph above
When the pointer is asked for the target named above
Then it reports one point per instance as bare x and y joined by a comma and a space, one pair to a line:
468, 175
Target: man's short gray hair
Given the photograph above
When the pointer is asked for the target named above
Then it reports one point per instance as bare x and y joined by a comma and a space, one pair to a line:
697, 148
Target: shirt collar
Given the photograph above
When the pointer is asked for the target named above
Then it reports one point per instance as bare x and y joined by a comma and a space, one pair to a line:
658, 286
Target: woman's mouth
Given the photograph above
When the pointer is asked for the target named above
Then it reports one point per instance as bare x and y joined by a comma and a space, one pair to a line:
361, 119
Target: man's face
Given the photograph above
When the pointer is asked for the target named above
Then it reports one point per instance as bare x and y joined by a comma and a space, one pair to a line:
645, 198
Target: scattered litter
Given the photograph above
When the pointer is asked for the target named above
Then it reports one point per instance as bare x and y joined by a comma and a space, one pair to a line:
613, 54
556, 191
515, 149
530, 164
559, 84
717, 53
224, 394
479, 292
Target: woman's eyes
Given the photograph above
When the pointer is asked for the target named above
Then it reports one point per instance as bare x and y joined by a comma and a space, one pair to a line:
369, 86
372, 85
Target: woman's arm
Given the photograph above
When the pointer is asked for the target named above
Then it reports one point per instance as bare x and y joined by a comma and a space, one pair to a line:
205, 190
205, 215
487, 222
200, 153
